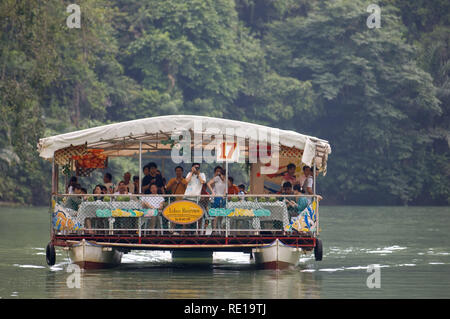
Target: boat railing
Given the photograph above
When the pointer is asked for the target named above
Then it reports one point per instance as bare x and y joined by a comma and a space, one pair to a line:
224, 216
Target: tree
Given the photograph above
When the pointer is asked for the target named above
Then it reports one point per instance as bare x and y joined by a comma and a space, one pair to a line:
427, 24
381, 96
53, 79
377, 103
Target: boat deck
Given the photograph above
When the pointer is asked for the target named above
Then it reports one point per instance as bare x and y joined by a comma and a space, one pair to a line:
213, 243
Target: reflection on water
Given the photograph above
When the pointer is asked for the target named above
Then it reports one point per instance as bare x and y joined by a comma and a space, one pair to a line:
411, 250
153, 275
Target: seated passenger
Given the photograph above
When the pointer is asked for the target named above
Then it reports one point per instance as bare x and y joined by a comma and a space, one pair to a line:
290, 201
73, 202
156, 202
104, 189
84, 192
287, 189
242, 191
128, 183
98, 190
122, 189
301, 203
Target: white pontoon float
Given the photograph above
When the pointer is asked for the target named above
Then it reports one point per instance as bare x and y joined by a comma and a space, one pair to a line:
99, 229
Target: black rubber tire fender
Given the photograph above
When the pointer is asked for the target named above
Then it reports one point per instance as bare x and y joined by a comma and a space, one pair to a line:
50, 254
318, 250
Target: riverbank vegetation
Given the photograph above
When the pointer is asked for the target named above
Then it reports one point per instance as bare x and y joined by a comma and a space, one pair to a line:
379, 95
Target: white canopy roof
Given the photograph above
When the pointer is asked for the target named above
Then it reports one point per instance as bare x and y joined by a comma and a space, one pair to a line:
116, 136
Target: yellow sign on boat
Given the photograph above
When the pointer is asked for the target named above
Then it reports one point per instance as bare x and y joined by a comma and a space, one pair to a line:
183, 212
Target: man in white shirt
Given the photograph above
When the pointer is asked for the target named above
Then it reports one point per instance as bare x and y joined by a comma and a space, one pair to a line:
195, 180
308, 184
309, 181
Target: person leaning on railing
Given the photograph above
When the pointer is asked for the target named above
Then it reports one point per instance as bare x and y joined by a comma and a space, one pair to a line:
289, 201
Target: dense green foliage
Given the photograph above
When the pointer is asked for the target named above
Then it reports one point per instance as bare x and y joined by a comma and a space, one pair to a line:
380, 96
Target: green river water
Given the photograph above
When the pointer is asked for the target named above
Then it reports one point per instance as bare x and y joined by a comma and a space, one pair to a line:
409, 245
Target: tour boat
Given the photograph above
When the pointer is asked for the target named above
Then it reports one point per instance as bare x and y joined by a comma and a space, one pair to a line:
272, 228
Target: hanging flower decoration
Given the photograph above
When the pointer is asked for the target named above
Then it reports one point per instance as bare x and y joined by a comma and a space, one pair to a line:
93, 159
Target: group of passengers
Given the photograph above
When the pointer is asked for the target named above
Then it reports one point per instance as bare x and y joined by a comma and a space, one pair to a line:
153, 182
293, 185
193, 184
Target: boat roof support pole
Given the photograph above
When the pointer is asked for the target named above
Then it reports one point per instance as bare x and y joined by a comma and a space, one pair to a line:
140, 167
226, 191
226, 178
315, 198
314, 176
54, 177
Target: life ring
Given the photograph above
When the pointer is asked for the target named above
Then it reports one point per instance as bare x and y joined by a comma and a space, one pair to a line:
318, 250
50, 254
